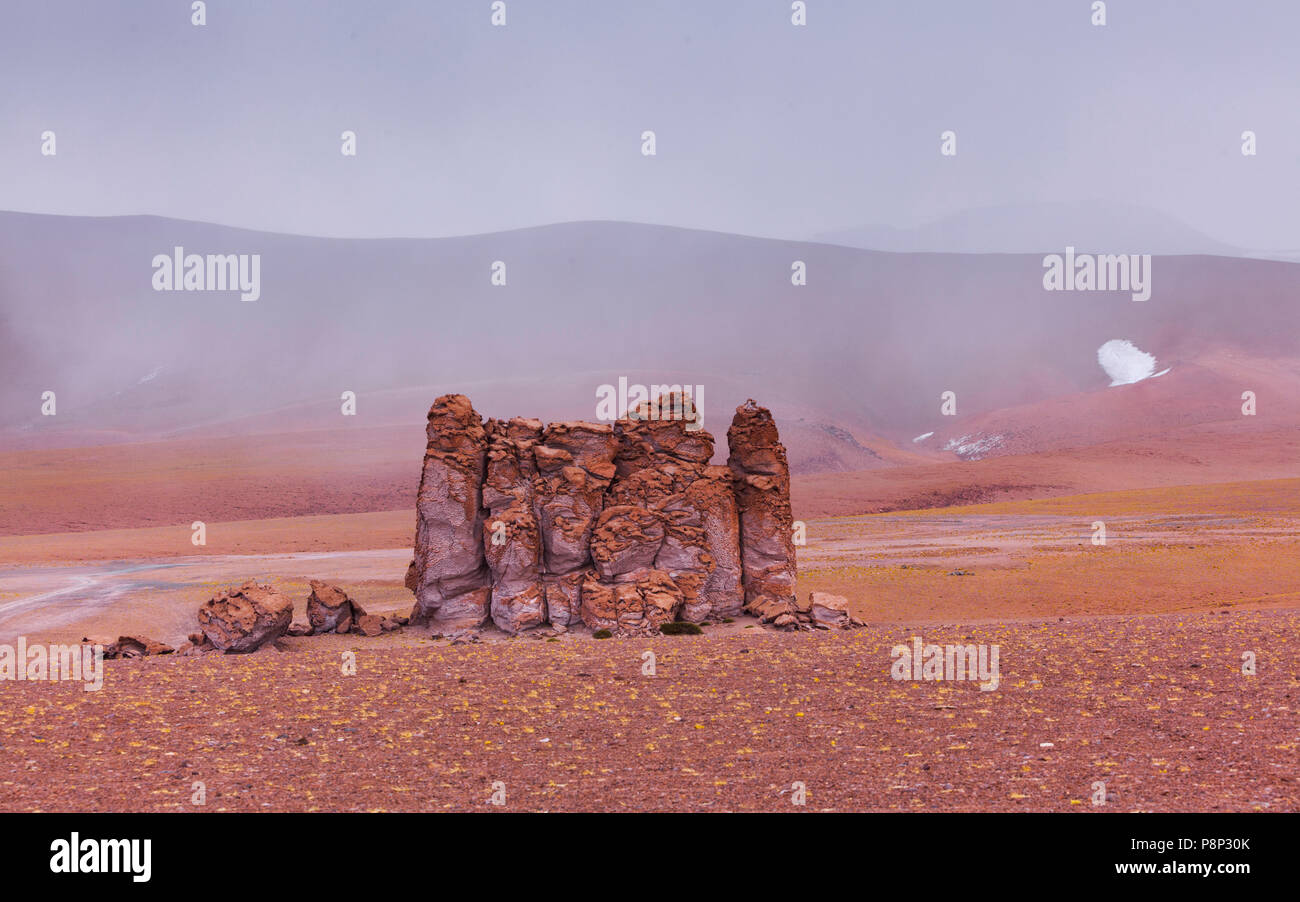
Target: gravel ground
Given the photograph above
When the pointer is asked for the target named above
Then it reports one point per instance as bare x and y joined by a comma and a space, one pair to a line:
1154, 707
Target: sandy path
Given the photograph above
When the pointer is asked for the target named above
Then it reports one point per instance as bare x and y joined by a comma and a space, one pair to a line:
159, 597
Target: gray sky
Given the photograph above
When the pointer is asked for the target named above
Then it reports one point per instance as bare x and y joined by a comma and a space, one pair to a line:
763, 128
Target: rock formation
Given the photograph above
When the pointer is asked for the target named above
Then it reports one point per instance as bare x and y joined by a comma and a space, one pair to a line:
130, 647
828, 611
246, 618
624, 527
512, 541
330, 610
450, 574
763, 495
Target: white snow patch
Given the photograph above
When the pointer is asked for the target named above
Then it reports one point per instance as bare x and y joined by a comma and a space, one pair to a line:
1126, 363
973, 447
921, 438
153, 374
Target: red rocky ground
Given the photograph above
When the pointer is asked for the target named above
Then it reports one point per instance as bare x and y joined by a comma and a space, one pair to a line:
1155, 707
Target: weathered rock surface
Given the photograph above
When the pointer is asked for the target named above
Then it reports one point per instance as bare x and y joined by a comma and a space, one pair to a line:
330, 610
576, 463
621, 527
636, 605
450, 574
370, 624
663, 436
564, 597
714, 497
511, 467
244, 619
828, 611
762, 475
131, 647
512, 541
663, 454
626, 538
512, 546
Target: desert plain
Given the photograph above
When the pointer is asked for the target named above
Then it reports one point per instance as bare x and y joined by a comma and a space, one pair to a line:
1121, 663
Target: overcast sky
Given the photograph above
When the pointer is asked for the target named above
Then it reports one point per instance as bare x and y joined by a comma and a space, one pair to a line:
762, 128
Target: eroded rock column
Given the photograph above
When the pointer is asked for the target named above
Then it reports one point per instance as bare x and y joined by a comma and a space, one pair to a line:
575, 464
762, 482
650, 548
512, 540
712, 498
449, 575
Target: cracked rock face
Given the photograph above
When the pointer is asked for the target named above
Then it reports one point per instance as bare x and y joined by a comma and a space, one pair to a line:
637, 605
828, 611
564, 597
330, 610
622, 527
626, 538
512, 541
713, 497
575, 462
450, 574
246, 618
762, 479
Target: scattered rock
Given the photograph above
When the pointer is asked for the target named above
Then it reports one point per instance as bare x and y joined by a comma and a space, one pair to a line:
828, 611
785, 622
330, 610
246, 618
370, 624
134, 647
196, 644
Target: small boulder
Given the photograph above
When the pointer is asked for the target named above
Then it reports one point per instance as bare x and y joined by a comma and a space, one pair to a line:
330, 610
785, 622
828, 611
197, 644
133, 647
244, 619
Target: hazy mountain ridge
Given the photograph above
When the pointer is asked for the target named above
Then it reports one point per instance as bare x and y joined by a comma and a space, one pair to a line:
1043, 227
867, 346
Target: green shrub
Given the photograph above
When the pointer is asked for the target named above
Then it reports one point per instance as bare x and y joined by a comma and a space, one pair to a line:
601, 634
681, 628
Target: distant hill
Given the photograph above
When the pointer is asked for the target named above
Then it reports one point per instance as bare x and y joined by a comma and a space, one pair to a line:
1039, 228
853, 363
